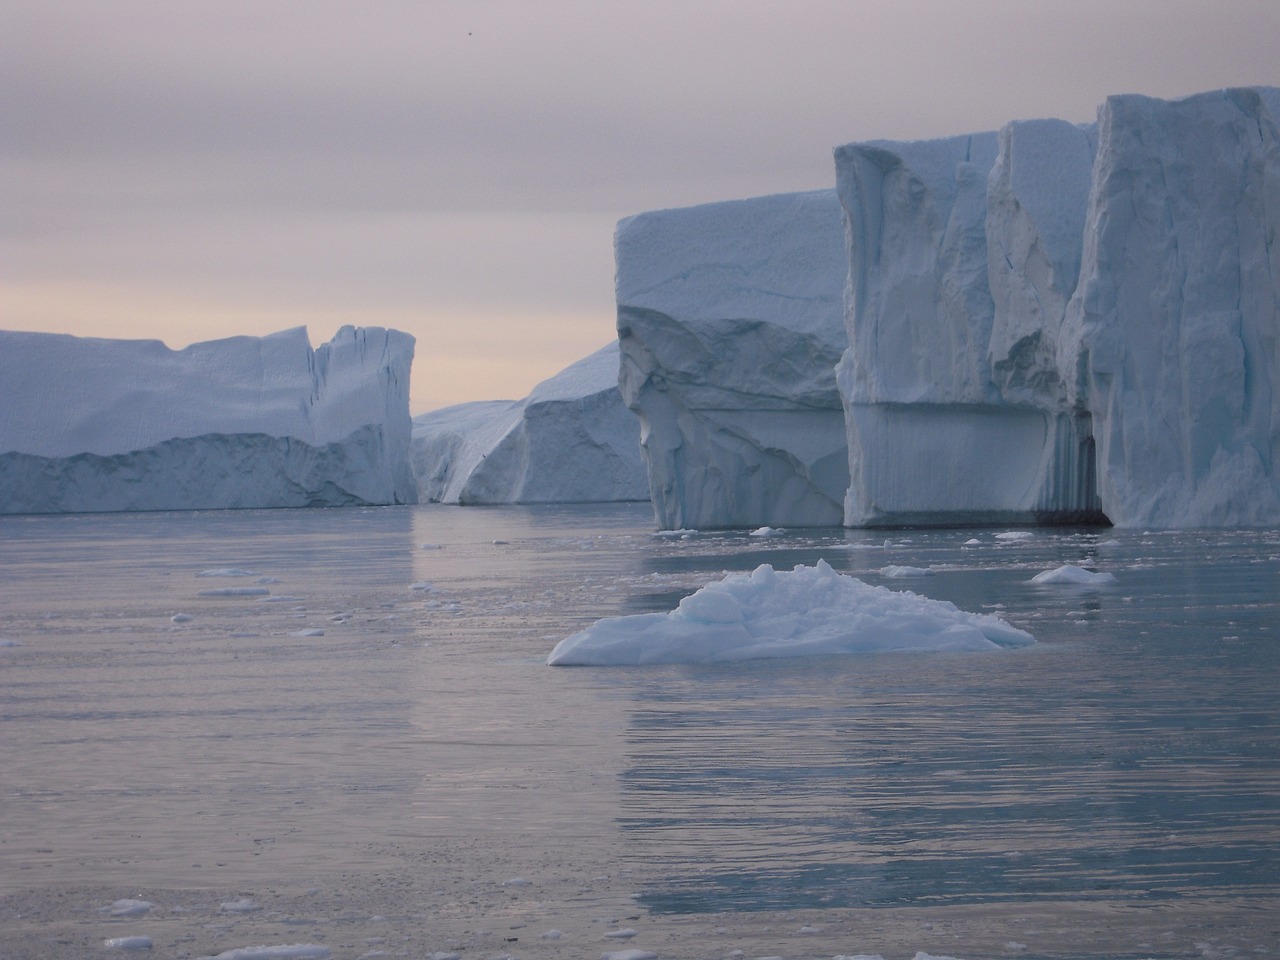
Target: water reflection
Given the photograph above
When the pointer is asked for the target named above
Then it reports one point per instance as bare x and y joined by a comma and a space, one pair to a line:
1131, 755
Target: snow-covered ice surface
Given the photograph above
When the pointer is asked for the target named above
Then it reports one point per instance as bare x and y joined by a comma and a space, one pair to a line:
118, 425
1107, 792
730, 322
572, 440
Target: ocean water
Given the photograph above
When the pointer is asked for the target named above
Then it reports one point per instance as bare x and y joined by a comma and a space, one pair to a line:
348, 738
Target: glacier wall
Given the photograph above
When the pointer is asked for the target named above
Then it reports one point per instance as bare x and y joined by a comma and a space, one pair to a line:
730, 326
96, 425
572, 440
962, 255
1174, 328
1060, 323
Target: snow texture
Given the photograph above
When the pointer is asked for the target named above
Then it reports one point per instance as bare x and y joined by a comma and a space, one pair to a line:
96, 425
572, 440
730, 325
809, 611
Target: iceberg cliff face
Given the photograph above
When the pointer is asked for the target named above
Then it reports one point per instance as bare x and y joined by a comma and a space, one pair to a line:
952, 405
1175, 324
729, 322
102, 425
1116, 355
572, 440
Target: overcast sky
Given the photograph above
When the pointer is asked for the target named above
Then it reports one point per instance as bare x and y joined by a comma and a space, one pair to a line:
188, 170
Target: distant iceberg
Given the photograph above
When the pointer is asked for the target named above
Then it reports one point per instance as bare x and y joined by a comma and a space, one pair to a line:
808, 611
572, 440
730, 326
94, 425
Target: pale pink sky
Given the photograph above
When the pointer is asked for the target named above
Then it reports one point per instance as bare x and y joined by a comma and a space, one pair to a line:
193, 170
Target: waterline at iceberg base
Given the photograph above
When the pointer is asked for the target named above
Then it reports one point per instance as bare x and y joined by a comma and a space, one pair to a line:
362, 748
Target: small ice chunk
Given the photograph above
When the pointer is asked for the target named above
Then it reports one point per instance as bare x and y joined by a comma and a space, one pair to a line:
626, 933
431, 546
236, 592
1071, 574
763, 532
629, 955
1013, 536
895, 572
421, 585
517, 882
181, 618
281, 598
311, 632
552, 934
292, 951
226, 572
973, 542
128, 908
243, 905
128, 943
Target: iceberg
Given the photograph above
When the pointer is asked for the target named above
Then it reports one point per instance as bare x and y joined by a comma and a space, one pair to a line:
962, 255
1174, 328
572, 440
1062, 323
730, 325
95, 425
808, 611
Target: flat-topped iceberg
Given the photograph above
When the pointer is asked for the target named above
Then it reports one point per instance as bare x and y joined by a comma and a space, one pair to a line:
572, 440
1063, 323
962, 254
730, 326
808, 611
1173, 333
96, 425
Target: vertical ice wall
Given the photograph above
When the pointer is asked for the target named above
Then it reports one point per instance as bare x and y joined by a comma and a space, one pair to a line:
102, 425
730, 325
1173, 331
951, 405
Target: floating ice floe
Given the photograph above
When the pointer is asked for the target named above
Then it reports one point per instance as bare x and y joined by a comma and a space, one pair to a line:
128, 943
895, 572
293, 951
1071, 574
128, 908
809, 611
236, 592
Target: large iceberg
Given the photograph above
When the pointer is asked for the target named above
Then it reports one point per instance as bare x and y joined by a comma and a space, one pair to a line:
962, 255
572, 440
805, 612
730, 326
1062, 323
1173, 335
95, 425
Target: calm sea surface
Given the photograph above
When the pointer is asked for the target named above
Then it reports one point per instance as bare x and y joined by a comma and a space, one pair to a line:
369, 752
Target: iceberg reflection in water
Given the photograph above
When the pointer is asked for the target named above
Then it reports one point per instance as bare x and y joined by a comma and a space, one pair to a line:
377, 742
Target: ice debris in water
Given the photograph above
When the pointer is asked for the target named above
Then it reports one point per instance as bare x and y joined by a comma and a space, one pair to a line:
128, 943
808, 611
128, 908
1071, 574
293, 951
